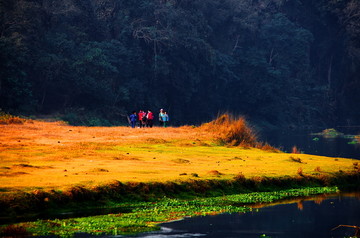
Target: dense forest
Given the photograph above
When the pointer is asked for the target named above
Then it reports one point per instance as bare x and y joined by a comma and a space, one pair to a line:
293, 63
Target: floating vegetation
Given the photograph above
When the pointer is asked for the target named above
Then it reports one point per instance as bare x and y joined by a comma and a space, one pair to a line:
353, 142
145, 216
331, 132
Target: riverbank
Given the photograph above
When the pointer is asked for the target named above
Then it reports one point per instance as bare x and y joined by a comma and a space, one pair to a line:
52, 168
138, 217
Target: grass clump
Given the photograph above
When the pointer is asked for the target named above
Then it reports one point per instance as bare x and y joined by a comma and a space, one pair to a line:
295, 150
298, 160
7, 119
330, 133
231, 130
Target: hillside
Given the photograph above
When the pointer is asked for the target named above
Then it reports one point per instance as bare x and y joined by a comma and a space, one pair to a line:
279, 63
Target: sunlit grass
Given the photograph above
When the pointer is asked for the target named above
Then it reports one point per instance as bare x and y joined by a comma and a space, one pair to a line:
60, 156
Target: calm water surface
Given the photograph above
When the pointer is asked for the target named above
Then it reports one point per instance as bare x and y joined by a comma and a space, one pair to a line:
308, 219
311, 144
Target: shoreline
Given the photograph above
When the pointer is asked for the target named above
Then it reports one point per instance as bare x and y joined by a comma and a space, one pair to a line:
28, 204
147, 216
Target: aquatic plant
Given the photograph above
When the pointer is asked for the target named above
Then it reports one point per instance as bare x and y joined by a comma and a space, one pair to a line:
330, 132
265, 236
353, 142
144, 216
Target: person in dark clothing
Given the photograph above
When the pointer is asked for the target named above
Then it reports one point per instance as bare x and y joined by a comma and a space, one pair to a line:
133, 119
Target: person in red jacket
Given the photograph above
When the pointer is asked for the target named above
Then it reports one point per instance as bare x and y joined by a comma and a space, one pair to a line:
149, 119
142, 118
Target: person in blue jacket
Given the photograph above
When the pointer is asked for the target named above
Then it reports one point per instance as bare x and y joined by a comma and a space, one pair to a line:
133, 118
165, 119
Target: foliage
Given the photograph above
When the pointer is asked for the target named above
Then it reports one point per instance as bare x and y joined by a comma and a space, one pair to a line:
144, 216
214, 56
330, 132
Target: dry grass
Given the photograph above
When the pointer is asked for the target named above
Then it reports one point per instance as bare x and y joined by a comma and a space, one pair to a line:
6, 119
231, 130
295, 150
53, 155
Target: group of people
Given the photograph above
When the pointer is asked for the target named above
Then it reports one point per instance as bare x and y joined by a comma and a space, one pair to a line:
146, 119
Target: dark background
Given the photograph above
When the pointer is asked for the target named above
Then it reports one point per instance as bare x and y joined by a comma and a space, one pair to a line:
279, 63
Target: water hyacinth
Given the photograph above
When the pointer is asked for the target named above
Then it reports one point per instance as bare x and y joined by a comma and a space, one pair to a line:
145, 216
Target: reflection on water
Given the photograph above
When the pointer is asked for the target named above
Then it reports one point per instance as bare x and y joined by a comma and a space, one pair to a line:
166, 233
310, 219
310, 144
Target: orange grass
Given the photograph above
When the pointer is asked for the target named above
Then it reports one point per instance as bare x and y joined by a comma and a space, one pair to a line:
53, 155
6, 119
231, 130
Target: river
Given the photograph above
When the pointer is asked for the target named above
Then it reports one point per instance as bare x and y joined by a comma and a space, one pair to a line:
305, 141
314, 218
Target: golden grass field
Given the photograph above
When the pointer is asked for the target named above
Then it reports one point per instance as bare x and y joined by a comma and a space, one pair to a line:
53, 155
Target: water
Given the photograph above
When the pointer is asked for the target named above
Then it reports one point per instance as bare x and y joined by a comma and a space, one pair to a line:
307, 219
311, 144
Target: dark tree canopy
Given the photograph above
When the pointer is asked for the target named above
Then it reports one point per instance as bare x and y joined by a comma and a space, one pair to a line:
277, 62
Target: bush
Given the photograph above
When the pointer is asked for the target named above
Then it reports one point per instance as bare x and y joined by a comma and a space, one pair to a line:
6, 119
231, 130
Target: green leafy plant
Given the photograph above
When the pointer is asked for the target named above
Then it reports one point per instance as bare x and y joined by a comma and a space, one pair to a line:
144, 216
